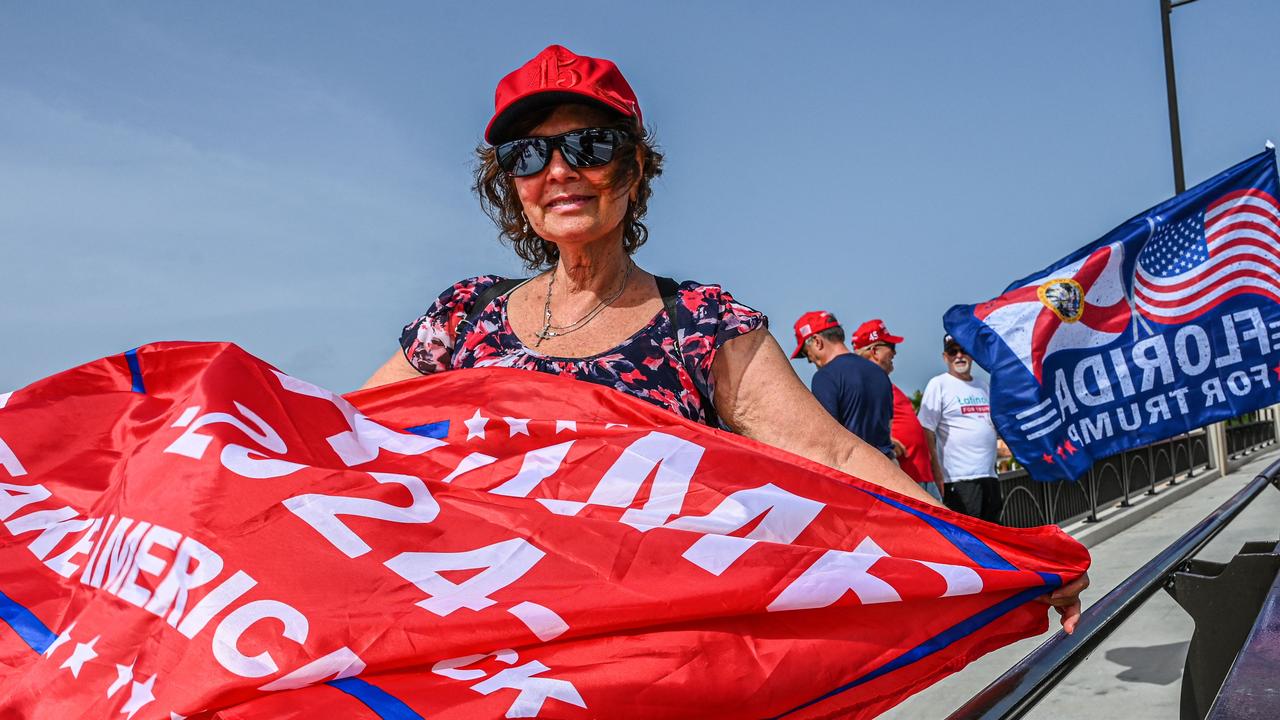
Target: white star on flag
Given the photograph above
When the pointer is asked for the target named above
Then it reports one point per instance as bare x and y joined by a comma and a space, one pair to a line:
58, 641
139, 695
475, 426
566, 425
124, 673
83, 653
519, 426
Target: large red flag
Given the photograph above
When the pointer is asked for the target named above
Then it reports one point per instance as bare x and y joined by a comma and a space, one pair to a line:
188, 532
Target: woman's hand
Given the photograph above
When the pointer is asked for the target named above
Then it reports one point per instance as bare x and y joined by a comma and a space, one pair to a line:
1066, 600
758, 395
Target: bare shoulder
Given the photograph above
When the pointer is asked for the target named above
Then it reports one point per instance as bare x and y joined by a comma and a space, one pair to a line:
395, 369
755, 383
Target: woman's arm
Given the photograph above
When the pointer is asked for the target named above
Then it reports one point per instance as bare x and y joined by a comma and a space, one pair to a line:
393, 370
759, 395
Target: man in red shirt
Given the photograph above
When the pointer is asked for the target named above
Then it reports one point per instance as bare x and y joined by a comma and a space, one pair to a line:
873, 341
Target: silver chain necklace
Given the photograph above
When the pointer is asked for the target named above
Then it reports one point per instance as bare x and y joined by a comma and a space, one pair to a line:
550, 330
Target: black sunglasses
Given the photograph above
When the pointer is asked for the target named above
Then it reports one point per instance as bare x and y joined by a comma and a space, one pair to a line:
585, 148
953, 351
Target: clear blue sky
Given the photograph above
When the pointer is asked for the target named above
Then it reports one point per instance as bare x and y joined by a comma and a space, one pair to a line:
294, 177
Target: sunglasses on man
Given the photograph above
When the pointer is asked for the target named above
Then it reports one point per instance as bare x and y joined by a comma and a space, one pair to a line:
954, 351
585, 148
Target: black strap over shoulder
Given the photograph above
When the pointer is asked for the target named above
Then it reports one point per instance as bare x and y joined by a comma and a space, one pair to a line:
502, 287
670, 291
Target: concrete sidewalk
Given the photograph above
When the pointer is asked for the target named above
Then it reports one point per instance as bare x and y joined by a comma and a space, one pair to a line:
1136, 674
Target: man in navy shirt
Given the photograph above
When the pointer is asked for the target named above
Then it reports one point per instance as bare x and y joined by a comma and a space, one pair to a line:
853, 389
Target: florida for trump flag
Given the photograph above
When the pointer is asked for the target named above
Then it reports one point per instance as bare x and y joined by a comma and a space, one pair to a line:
1165, 324
186, 532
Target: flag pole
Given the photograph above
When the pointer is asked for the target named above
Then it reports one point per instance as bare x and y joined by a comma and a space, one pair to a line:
1171, 88
1217, 433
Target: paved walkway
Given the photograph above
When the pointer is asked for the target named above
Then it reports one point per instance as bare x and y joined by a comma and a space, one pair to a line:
1136, 674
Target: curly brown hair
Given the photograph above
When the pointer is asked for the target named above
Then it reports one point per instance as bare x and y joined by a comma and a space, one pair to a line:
501, 202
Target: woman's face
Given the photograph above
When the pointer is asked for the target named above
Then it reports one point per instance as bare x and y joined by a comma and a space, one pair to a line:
570, 206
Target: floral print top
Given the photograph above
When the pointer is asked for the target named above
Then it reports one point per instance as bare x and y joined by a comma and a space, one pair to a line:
646, 365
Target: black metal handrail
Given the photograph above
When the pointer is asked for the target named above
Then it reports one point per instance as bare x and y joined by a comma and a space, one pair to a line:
1014, 693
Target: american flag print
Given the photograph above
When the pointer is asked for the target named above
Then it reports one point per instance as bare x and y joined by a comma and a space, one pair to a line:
1231, 248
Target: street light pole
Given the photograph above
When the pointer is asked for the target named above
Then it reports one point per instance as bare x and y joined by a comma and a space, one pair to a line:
1175, 132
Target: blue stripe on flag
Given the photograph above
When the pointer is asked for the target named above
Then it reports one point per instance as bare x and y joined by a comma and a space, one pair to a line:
386, 705
1052, 581
438, 430
965, 541
939, 641
27, 625
135, 370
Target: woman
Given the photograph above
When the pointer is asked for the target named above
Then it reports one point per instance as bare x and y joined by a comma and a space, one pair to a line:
566, 177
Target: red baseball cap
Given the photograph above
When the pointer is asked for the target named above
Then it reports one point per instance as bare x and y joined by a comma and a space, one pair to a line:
873, 331
810, 324
558, 75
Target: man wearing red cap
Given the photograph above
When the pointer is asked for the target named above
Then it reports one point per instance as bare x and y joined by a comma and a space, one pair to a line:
873, 341
853, 389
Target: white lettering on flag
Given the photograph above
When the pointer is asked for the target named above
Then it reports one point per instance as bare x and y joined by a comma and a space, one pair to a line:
540, 619
339, 664
15, 497
834, 574
537, 466
534, 691
503, 562
54, 525
961, 580
236, 458
145, 562
9, 461
453, 668
785, 516
471, 462
239, 620
182, 577
115, 553
364, 437
675, 459
321, 511
215, 602
62, 564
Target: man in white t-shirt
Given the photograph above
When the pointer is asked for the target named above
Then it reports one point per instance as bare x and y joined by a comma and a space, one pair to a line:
956, 415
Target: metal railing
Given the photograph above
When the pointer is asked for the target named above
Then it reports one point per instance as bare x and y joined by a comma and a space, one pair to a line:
1116, 480
1111, 481
1251, 431
1013, 694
